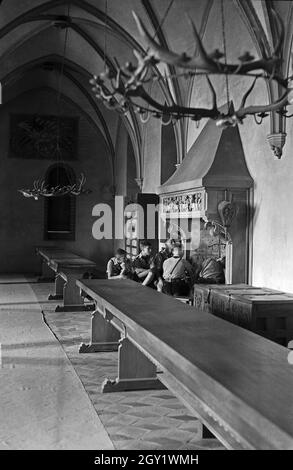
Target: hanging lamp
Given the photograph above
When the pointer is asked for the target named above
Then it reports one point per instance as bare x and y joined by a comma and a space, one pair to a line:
39, 187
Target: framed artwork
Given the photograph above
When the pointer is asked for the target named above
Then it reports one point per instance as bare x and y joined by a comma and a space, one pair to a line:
34, 136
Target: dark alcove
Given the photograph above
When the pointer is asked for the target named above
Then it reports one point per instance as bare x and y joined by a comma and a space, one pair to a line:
60, 211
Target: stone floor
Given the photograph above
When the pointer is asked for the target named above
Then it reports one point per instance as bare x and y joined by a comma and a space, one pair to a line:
43, 404
133, 420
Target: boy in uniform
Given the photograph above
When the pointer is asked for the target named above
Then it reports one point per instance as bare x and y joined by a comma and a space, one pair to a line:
119, 267
143, 265
177, 273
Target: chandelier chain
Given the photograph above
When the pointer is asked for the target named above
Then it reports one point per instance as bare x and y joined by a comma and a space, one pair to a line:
105, 33
225, 52
59, 103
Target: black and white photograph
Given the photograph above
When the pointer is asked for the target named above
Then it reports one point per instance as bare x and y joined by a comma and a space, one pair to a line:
146, 229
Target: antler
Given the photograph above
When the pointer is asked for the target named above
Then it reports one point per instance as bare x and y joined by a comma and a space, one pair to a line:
174, 109
208, 63
260, 109
162, 54
247, 94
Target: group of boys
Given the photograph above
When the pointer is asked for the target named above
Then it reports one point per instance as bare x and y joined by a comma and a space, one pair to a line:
166, 271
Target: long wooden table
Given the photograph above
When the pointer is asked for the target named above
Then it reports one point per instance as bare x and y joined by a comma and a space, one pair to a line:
68, 267
238, 383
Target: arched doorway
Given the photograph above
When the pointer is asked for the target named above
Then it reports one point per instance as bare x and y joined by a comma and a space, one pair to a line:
59, 211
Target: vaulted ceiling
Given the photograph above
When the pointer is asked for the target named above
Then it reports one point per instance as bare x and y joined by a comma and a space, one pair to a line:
32, 46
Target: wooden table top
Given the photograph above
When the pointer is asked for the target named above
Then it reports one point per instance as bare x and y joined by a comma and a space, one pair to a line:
57, 254
49, 249
62, 258
243, 376
72, 263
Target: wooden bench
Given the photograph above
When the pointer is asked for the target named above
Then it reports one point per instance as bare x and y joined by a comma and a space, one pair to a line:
265, 311
68, 267
239, 384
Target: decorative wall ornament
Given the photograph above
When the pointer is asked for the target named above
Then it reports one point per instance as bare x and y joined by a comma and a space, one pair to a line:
227, 211
277, 142
184, 204
33, 136
217, 230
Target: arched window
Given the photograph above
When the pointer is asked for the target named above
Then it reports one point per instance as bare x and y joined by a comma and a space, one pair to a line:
168, 152
59, 211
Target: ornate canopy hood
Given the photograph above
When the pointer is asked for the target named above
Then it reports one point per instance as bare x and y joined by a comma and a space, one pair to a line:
216, 159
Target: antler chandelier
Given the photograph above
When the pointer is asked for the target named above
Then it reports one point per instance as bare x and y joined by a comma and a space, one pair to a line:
40, 188
122, 88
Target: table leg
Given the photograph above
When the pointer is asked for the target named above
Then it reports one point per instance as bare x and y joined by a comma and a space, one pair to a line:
135, 371
59, 286
47, 274
72, 300
104, 336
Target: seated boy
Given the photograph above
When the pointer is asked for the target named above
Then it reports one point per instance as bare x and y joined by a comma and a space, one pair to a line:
119, 267
177, 273
143, 265
164, 253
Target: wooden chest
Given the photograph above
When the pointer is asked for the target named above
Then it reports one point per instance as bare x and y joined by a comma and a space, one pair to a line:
267, 312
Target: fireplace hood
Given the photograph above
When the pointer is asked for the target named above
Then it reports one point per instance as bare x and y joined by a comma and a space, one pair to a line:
213, 171
215, 160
